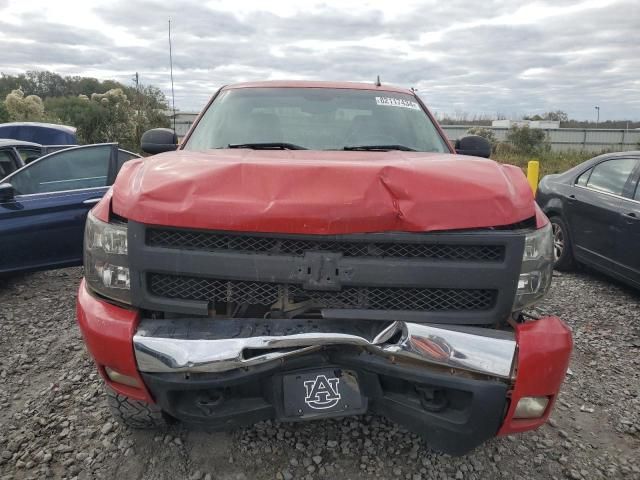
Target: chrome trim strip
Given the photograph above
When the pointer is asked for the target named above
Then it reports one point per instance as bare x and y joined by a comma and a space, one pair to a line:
74, 180
607, 193
473, 349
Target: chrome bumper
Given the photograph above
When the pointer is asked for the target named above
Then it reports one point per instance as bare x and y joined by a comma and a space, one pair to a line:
177, 349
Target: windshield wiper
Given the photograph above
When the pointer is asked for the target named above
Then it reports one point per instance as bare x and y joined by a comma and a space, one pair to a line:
382, 148
267, 146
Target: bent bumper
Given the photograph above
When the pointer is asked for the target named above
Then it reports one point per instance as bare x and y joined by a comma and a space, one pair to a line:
163, 346
455, 386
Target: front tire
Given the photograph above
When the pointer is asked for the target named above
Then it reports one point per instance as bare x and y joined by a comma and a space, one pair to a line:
133, 413
562, 245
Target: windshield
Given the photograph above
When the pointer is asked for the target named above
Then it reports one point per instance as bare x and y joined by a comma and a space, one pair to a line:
316, 119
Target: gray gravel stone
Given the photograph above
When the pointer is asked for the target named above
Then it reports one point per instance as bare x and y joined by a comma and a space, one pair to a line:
54, 421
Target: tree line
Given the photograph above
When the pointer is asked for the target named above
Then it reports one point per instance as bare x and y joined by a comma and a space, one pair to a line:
101, 110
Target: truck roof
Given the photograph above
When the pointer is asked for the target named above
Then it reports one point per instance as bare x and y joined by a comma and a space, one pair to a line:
317, 84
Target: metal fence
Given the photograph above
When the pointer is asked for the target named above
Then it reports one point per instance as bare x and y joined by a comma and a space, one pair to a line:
588, 139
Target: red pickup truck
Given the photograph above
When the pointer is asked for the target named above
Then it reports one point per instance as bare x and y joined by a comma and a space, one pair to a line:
314, 250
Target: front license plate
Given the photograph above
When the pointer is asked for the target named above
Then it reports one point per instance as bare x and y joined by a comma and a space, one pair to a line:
319, 393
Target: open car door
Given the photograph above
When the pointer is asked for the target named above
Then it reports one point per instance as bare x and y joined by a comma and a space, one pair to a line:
43, 206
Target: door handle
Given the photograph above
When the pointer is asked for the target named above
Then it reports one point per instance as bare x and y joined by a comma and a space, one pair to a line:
631, 217
571, 198
91, 201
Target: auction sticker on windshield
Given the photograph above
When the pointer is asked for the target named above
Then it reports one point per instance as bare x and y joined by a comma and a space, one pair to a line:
397, 102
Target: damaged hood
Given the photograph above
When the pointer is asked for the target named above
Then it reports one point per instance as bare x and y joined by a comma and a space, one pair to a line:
321, 192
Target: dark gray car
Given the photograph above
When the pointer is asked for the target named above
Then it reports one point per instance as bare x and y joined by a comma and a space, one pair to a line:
594, 209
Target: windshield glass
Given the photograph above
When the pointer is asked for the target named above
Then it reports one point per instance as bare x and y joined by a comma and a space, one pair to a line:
316, 119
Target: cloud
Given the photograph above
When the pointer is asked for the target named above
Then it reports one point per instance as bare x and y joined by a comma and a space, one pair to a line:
38, 30
194, 19
479, 57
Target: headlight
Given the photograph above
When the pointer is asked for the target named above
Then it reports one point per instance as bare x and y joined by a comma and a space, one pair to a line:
106, 266
537, 268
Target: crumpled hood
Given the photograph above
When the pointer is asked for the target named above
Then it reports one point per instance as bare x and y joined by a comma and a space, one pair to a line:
320, 192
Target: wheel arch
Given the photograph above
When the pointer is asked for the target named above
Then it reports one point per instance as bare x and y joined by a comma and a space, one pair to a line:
553, 208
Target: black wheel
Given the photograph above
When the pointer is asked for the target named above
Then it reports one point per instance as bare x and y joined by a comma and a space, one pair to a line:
562, 246
133, 413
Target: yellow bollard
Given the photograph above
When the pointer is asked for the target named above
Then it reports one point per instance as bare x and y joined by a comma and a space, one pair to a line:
533, 172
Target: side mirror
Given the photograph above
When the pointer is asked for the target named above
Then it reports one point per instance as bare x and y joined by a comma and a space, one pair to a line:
158, 140
7, 193
474, 145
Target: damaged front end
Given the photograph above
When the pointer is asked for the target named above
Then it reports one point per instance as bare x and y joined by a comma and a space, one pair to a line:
448, 384
454, 386
224, 329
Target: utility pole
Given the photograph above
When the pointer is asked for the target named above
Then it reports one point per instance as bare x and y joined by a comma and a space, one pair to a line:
136, 80
598, 115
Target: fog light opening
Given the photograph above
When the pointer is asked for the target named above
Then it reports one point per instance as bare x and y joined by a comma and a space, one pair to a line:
118, 377
531, 407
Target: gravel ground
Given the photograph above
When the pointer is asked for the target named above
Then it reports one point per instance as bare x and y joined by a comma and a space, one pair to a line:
54, 422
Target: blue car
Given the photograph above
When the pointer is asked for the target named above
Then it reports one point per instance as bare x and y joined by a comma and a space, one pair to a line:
37, 132
43, 205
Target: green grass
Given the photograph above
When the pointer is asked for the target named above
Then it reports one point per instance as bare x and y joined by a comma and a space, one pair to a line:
550, 162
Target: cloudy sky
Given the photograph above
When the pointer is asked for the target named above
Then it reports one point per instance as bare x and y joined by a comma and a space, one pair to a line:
477, 57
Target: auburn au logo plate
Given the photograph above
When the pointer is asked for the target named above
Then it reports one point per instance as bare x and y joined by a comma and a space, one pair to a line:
326, 392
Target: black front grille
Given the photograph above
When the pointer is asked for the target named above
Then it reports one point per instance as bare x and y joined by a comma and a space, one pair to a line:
215, 241
267, 294
458, 277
